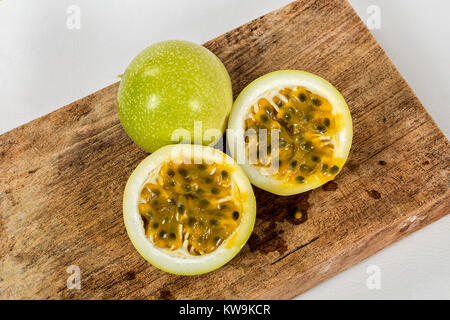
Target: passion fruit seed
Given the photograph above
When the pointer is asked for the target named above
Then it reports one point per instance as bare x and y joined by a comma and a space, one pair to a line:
197, 218
224, 174
181, 209
300, 179
334, 169
163, 235
293, 164
304, 128
264, 118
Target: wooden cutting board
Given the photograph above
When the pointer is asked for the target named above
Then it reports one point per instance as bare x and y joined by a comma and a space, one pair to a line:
62, 177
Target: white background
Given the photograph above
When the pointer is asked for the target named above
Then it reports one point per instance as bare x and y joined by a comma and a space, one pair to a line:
44, 65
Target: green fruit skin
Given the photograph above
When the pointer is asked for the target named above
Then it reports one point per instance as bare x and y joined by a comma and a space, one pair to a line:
168, 86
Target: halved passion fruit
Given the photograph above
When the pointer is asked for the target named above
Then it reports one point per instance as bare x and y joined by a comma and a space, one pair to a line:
291, 131
188, 209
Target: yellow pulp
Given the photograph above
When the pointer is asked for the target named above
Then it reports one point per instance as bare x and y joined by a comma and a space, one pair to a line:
191, 206
307, 127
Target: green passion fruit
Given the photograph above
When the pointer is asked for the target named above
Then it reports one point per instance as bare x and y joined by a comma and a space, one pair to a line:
292, 131
171, 90
188, 209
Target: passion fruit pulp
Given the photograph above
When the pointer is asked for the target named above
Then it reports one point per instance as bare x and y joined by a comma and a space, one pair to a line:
313, 129
188, 209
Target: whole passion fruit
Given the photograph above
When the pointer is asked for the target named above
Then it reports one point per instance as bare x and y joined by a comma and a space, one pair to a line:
171, 91
291, 131
188, 209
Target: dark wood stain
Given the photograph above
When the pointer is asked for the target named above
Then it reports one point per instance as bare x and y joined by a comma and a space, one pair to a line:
166, 295
374, 194
70, 210
269, 240
330, 186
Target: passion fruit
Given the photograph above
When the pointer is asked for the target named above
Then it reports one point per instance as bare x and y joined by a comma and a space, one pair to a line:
291, 131
188, 209
171, 91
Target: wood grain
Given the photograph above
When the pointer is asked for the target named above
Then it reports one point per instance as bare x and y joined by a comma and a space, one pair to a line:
62, 178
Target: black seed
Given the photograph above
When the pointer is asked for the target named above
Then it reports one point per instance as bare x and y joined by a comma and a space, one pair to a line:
223, 207
213, 222
283, 143
287, 117
300, 179
172, 236
172, 183
315, 158
208, 180
183, 172
302, 97
200, 191
307, 118
201, 167
163, 235
305, 168
215, 191
204, 203
264, 118
187, 188
149, 215
224, 174
321, 128
326, 122
170, 173
155, 225
181, 208
316, 102
334, 169
191, 221
235, 215
308, 145
280, 103
269, 111
293, 164
324, 167
291, 110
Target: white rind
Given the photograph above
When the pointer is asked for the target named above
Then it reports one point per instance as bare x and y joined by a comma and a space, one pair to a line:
281, 79
180, 262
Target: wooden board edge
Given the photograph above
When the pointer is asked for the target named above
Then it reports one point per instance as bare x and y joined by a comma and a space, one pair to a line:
363, 249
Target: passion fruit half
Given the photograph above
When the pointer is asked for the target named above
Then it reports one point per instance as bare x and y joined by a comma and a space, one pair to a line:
291, 131
188, 209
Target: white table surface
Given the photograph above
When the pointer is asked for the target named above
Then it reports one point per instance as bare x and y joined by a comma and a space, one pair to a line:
45, 65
